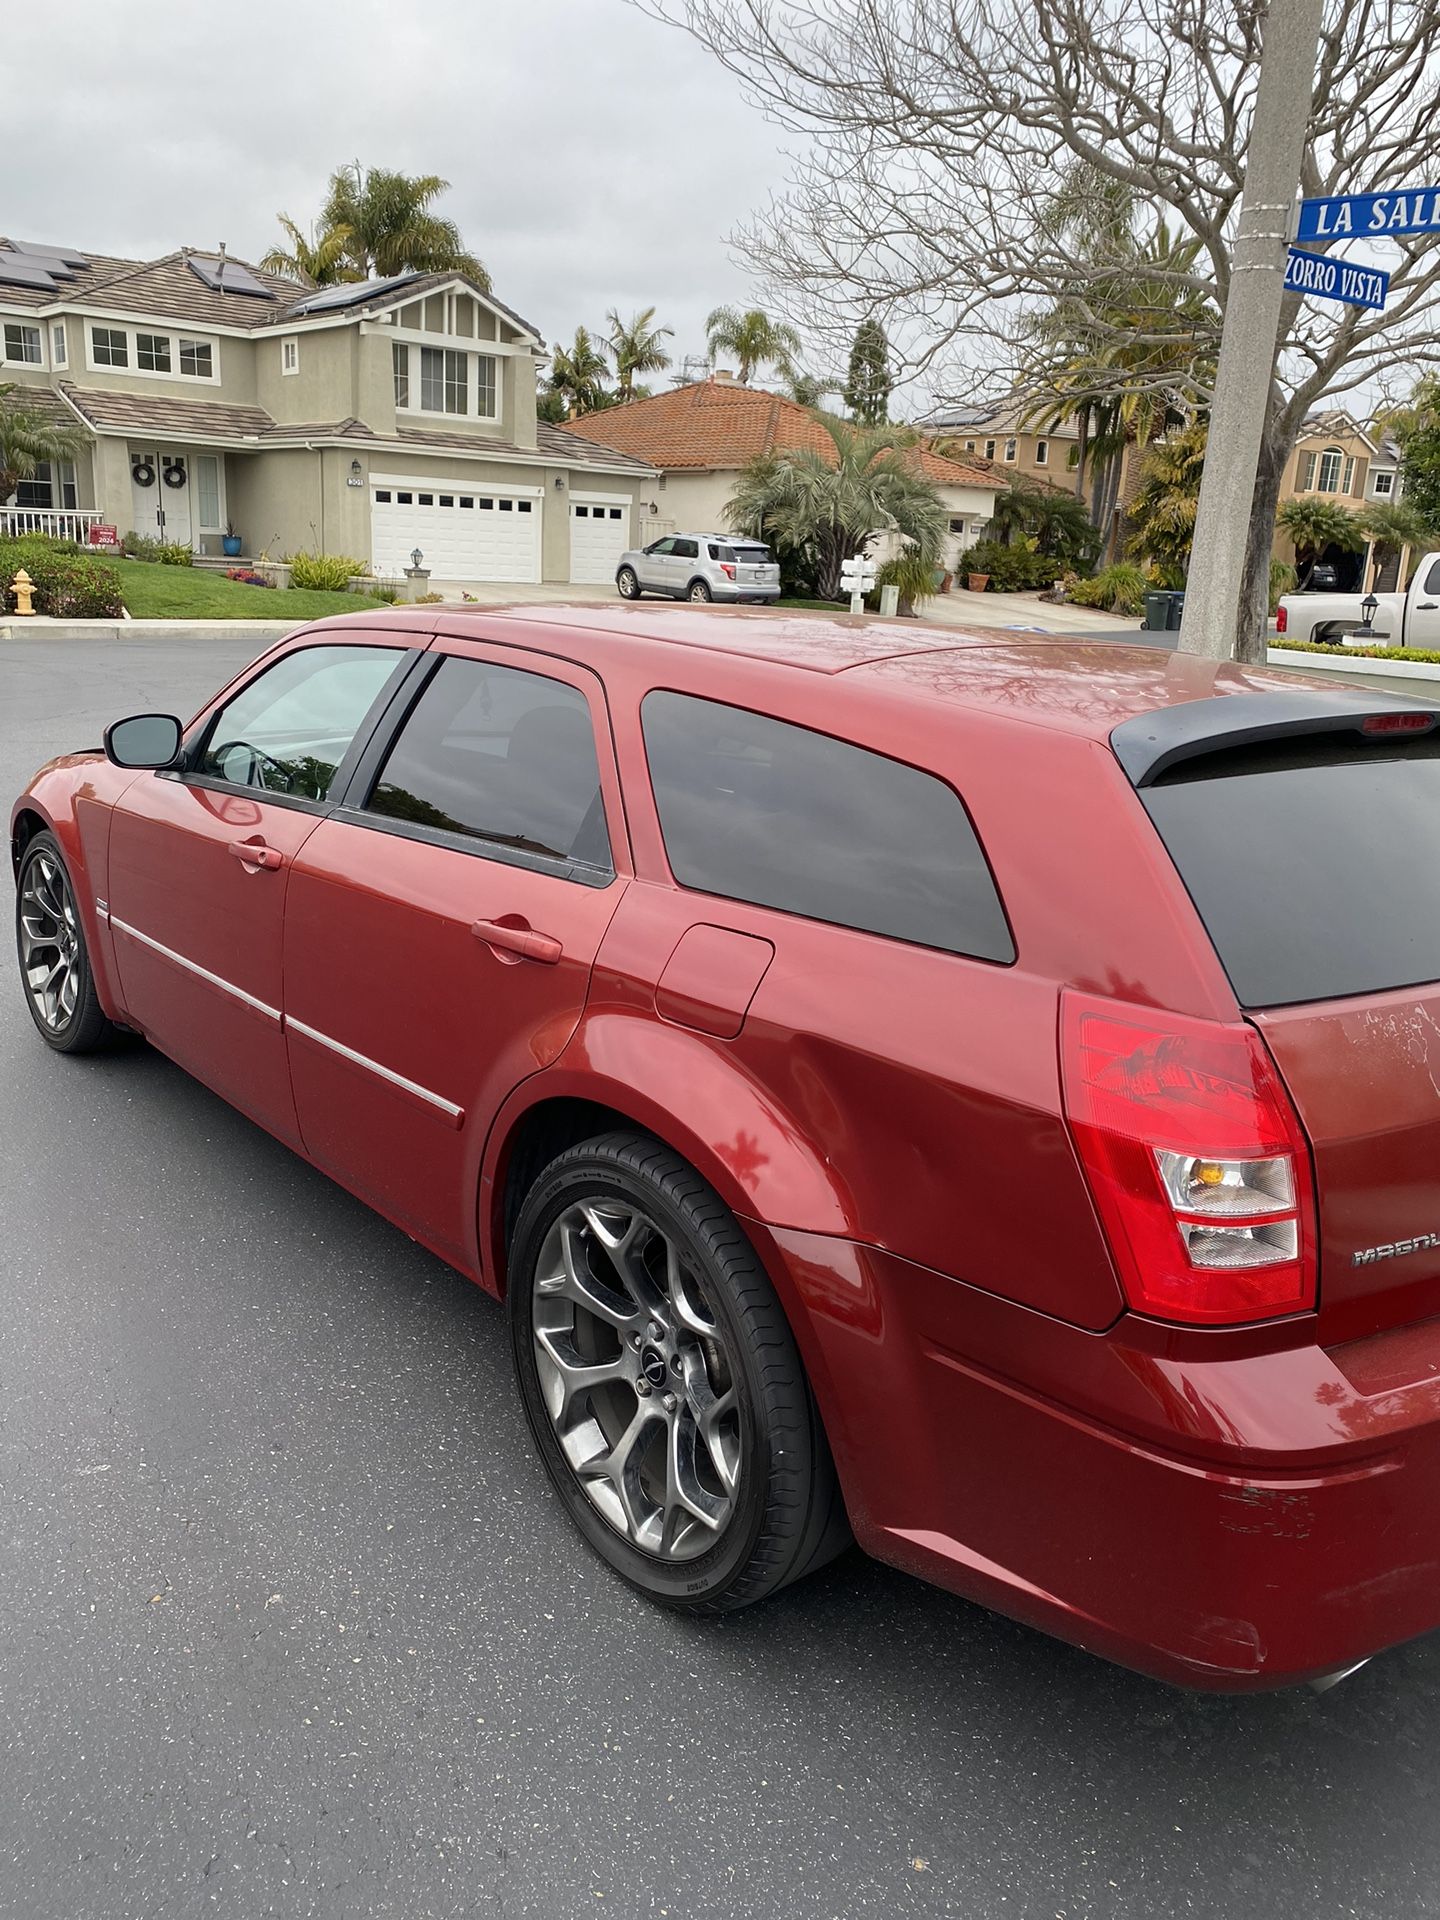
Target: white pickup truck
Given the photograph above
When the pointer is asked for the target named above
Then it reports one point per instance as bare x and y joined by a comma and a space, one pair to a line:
1410, 619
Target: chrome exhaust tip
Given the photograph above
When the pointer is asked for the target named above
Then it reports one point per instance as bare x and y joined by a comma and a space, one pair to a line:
1329, 1680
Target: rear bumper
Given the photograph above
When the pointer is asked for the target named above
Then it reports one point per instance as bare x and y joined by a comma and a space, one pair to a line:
1238, 1521
755, 595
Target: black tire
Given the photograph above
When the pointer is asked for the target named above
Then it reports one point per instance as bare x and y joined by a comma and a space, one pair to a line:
80, 1027
628, 582
699, 590
787, 1514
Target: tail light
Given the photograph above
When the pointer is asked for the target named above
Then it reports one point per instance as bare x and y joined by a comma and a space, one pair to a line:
727, 569
1282, 619
1195, 1156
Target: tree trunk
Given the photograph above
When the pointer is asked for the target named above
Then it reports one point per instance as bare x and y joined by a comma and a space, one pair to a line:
1253, 620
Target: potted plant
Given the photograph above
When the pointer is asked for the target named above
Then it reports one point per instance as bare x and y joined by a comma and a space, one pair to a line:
977, 582
231, 542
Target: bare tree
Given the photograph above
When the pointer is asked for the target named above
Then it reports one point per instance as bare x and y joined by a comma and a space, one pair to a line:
941, 134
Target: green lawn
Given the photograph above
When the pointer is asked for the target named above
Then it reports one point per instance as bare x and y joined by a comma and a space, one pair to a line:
153, 592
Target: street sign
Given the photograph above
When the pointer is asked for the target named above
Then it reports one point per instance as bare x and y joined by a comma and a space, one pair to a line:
1356, 285
1348, 216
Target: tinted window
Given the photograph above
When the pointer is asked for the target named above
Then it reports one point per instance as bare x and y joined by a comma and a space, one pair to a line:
686, 550
499, 756
755, 809
1432, 579
1315, 873
291, 727
661, 546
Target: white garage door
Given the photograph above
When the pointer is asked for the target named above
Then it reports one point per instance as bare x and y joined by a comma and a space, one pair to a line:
464, 534
599, 534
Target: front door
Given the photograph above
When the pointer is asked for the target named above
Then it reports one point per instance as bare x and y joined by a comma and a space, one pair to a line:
441, 927
160, 492
200, 862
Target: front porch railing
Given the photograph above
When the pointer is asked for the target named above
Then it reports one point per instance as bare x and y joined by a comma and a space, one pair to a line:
61, 523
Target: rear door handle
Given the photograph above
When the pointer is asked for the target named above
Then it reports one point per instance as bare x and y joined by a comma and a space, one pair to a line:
253, 854
512, 936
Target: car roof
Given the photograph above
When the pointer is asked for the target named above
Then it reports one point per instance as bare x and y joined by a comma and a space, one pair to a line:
1066, 683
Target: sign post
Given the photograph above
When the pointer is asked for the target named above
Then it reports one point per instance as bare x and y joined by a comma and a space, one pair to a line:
858, 574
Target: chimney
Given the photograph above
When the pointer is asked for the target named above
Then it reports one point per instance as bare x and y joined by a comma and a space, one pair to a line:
723, 373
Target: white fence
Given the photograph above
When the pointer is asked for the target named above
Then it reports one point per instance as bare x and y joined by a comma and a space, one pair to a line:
61, 523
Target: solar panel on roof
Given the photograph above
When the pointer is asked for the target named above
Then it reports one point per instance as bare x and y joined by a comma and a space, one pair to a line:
34, 249
15, 272
228, 277
351, 293
50, 263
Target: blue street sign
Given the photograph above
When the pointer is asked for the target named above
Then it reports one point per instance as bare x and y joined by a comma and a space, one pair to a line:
1335, 279
1346, 217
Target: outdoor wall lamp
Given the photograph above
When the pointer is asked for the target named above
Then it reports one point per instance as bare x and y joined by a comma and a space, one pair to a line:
1369, 607
559, 483
355, 469
416, 557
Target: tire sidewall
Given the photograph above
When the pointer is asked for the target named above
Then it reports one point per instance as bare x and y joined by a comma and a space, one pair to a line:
682, 1583
632, 591
71, 1036
699, 592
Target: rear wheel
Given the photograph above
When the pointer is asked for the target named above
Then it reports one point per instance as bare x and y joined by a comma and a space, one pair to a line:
629, 584
662, 1383
700, 590
55, 966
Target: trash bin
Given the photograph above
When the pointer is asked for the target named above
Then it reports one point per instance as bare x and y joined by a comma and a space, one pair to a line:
1157, 610
1174, 611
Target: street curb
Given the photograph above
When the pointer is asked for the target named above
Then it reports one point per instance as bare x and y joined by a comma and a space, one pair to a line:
40, 628
1326, 663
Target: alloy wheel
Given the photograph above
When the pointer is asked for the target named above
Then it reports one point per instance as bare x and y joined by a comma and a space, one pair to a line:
49, 942
636, 1378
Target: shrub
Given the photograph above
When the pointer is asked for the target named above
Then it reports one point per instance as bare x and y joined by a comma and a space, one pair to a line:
428, 599
1282, 581
383, 590
1016, 569
140, 546
1119, 589
69, 585
1358, 653
912, 573
174, 553
323, 572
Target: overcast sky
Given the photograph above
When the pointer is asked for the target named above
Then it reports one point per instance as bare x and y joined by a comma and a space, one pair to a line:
597, 158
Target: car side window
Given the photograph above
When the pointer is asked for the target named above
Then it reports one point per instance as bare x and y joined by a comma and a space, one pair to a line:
687, 550
1432, 579
288, 730
756, 809
661, 546
502, 757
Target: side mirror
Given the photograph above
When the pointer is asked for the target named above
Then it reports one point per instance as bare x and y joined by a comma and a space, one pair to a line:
144, 740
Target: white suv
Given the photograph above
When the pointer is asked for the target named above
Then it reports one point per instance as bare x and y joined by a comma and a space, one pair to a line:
700, 566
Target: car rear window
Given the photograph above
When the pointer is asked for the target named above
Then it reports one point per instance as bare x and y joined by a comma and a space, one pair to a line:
756, 809
752, 556
1313, 868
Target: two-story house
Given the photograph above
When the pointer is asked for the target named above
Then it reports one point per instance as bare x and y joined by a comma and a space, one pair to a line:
1001, 436
371, 419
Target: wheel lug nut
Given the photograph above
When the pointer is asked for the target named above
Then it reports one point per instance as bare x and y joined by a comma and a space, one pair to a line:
635, 1341
669, 1403
655, 1331
642, 1387
677, 1365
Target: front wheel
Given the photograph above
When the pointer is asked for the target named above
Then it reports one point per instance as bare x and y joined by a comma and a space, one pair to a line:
699, 590
55, 969
662, 1384
629, 584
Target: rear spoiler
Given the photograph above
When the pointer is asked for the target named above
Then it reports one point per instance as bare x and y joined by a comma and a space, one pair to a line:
1152, 744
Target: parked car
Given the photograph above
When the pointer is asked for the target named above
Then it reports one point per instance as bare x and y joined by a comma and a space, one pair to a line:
1409, 619
965, 1091
700, 566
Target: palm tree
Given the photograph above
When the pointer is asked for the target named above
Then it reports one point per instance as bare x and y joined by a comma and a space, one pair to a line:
830, 502
389, 228
752, 339
317, 261
1390, 526
1162, 514
636, 348
578, 374
807, 389
1313, 525
29, 438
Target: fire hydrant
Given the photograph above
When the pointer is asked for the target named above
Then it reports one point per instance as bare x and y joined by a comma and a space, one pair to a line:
24, 588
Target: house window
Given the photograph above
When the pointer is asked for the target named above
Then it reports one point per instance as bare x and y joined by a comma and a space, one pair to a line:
969, 446
51, 485
1307, 472
400, 366
22, 344
1384, 485
289, 356
57, 344
1010, 451
152, 352
957, 525
485, 385
989, 449
207, 490
1332, 462
109, 346
197, 359
1042, 453
444, 380
1349, 475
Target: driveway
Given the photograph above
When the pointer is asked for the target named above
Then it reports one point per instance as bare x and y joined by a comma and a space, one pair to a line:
290, 1625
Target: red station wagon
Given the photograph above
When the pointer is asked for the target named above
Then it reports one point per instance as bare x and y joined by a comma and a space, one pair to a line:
978, 1094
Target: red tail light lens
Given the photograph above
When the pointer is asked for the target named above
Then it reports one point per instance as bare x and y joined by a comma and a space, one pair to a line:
727, 569
1282, 620
1196, 1160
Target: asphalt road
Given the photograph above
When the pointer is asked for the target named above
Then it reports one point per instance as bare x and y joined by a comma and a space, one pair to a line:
291, 1626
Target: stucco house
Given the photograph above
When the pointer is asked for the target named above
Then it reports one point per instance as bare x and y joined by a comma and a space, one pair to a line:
999, 434
1352, 466
700, 436
366, 419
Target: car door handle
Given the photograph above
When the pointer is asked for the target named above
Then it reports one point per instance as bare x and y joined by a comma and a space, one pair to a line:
254, 854
1426, 606
512, 936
